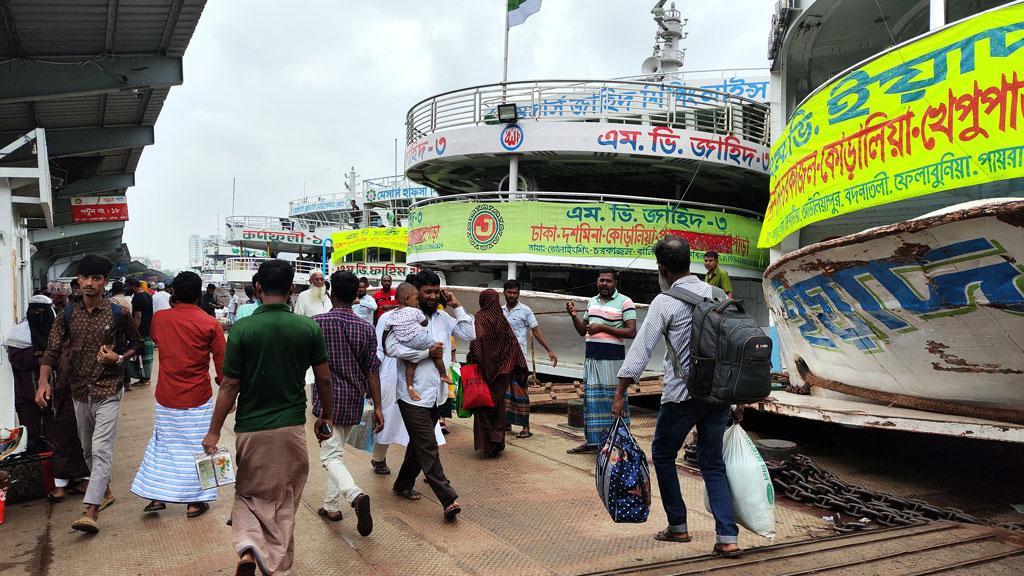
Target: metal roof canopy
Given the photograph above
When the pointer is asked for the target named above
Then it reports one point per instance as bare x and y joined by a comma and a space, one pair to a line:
94, 74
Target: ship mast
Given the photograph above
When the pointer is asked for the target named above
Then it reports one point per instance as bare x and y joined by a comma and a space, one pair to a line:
667, 57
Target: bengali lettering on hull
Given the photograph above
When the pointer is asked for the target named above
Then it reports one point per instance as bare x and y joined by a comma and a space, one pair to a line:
942, 112
585, 233
597, 137
931, 308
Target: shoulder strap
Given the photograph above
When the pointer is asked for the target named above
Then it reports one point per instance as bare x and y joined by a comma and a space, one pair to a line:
680, 293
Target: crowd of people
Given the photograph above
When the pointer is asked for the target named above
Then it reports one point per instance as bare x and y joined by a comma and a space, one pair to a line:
383, 357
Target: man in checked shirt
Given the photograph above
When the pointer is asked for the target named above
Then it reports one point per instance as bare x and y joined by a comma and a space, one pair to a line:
95, 348
352, 357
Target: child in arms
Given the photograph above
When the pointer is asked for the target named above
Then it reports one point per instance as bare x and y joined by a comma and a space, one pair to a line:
408, 324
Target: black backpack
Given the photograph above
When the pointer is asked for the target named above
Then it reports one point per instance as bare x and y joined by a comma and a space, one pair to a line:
730, 356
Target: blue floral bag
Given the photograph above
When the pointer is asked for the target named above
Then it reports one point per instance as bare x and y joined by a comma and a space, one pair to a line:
622, 476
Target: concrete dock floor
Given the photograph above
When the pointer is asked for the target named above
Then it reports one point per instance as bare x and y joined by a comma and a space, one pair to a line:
534, 510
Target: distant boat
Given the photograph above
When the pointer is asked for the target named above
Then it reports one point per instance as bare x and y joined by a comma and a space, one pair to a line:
926, 313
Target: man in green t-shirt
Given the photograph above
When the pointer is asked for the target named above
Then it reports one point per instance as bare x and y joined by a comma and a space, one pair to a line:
716, 276
265, 365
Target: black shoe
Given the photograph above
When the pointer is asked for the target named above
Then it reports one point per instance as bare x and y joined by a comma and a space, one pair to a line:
364, 522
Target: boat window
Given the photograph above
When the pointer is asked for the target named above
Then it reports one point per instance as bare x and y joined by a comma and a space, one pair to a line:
399, 256
356, 256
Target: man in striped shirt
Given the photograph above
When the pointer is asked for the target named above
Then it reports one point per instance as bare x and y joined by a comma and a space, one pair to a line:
670, 319
610, 319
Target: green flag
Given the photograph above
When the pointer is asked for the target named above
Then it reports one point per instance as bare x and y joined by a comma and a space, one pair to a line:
520, 10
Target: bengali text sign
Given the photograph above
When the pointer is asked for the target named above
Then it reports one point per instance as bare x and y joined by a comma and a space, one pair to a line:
939, 113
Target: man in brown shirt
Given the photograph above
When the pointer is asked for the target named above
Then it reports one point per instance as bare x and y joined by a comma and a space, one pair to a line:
92, 348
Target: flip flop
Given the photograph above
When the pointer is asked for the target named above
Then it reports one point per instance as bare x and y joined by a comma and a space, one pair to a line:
203, 507
54, 498
329, 516
75, 489
452, 511
717, 551
667, 535
85, 524
246, 568
155, 506
409, 494
106, 503
524, 434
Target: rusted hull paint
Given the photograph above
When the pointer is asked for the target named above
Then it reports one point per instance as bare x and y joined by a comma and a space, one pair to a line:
926, 313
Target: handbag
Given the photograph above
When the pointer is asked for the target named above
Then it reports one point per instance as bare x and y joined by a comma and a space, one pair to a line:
456, 373
622, 476
475, 392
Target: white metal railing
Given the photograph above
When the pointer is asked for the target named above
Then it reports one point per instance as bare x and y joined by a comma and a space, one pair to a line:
670, 104
253, 264
581, 197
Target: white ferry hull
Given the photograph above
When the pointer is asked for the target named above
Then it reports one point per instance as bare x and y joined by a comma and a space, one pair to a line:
925, 313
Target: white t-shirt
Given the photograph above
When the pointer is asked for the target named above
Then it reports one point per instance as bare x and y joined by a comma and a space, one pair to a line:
161, 301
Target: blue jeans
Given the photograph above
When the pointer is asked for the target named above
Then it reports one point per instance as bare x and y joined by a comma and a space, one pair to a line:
675, 420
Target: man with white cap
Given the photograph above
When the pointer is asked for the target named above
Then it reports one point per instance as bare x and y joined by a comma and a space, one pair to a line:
162, 299
314, 300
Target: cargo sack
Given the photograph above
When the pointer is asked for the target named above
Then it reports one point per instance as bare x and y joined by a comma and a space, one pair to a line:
31, 476
622, 476
753, 497
730, 356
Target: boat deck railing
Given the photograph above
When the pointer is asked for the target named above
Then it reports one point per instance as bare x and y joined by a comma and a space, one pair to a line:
576, 197
345, 220
670, 104
252, 264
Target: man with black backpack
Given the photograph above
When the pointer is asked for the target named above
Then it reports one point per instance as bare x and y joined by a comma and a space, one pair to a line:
90, 341
669, 318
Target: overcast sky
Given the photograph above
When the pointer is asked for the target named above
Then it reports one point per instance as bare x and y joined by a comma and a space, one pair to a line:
285, 97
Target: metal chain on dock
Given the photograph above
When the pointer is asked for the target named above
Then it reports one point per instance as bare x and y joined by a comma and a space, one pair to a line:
802, 480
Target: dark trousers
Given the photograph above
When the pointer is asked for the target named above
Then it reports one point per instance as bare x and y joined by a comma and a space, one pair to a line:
421, 453
675, 420
25, 366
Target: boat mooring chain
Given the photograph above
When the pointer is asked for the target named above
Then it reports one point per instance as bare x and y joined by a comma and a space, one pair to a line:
802, 480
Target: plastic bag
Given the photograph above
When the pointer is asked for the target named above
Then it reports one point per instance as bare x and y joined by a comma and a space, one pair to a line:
361, 435
622, 476
455, 372
753, 497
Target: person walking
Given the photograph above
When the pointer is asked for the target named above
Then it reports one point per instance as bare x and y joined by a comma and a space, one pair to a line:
352, 357
421, 416
264, 365
233, 303
385, 298
188, 338
22, 344
162, 298
313, 300
251, 303
610, 319
496, 353
122, 296
716, 276
365, 306
142, 315
679, 413
523, 322
97, 339
209, 303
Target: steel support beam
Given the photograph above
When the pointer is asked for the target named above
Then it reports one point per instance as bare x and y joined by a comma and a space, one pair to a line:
42, 236
78, 141
28, 80
100, 183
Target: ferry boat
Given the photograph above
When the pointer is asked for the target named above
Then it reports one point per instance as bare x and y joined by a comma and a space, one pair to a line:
896, 210
547, 181
325, 233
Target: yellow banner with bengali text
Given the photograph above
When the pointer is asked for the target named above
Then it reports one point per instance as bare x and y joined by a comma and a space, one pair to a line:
349, 241
939, 113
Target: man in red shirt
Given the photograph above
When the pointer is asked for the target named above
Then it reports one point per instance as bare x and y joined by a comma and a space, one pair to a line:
385, 297
187, 337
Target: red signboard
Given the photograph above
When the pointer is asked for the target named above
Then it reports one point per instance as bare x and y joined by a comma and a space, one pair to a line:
99, 209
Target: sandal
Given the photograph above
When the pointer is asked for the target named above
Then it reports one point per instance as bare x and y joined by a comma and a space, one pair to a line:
329, 516
380, 467
85, 524
79, 488
582, 449
667, 535
524, 434
155, 506
246, 568
452, 511
203, 507
53, 497
445, 430
717, 551
106, 503
409, 494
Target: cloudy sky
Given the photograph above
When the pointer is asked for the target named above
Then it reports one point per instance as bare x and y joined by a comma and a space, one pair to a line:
286, 97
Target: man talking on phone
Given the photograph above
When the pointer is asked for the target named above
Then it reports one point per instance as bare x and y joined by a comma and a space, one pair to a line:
420, 416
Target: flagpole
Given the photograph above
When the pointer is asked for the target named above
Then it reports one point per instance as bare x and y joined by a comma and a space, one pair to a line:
504, 70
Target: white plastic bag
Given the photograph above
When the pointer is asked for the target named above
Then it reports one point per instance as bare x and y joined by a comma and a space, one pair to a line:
753, 497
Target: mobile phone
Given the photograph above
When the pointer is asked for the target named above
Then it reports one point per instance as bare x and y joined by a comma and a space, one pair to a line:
442, 299
325, 429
